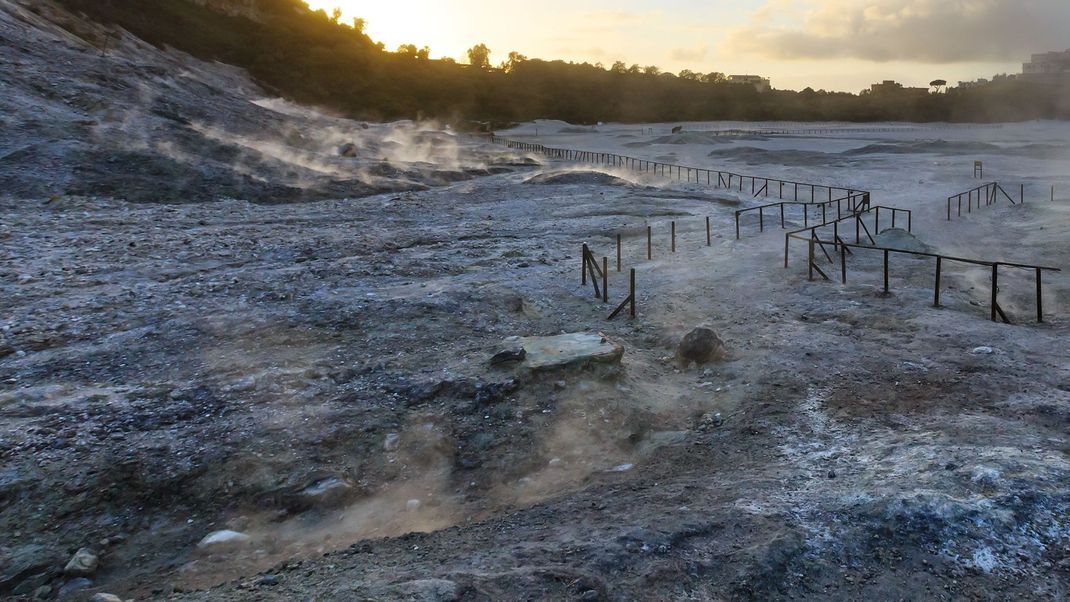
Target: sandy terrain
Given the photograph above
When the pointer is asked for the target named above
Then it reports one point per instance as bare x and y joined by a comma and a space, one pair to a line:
180, 360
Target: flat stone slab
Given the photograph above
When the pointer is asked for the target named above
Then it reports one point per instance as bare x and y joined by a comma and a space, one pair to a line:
577, 348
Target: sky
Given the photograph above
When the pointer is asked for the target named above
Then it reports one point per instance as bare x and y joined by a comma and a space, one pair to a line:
843, 45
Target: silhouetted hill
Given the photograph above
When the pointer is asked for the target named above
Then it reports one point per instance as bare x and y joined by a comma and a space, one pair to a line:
306, 56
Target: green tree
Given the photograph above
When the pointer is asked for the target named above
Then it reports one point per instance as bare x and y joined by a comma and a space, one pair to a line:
479, 56
515, 58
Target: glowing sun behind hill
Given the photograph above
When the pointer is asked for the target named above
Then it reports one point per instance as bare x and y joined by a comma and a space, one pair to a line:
420, 22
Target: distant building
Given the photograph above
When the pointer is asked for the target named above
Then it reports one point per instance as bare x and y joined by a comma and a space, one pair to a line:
761, 84
1047, 64
974, 84
893, 87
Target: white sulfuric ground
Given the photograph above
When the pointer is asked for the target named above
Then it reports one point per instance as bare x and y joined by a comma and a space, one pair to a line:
909, 166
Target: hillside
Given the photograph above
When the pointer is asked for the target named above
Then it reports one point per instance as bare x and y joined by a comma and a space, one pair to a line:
89, 109
308, 58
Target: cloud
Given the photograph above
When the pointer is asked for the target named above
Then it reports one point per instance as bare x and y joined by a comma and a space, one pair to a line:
694, 54
928, 31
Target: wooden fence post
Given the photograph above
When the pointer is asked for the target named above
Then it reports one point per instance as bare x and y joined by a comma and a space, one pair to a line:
618, 252
583, 278
936, 292
605, 280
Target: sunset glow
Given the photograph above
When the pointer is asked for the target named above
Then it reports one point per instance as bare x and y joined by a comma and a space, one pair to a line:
831, 44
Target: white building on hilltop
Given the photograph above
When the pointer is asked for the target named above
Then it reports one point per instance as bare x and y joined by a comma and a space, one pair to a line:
761, 84
1048, 64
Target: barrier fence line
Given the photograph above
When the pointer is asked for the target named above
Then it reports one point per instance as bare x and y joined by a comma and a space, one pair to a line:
815, 242
858, 206
759, 185
831, 130
590, 266
989, 192
854, 202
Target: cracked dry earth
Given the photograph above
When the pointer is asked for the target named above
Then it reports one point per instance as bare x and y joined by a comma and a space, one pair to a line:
316, 376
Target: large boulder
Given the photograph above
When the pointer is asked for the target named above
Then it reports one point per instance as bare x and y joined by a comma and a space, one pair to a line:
700, 346
564, 350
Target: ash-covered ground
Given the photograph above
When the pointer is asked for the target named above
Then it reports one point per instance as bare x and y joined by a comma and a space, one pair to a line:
186, 351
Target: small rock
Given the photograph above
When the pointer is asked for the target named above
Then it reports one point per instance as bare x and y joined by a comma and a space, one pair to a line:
515, 353
391, 442
43, 592
329, 491
246, 384
590, 595
226, 539
712, 419
82, 564
985, 476
412, 505
700, 346
982, 351
832, 474
269, 580
102, 597
348, 150
621, 468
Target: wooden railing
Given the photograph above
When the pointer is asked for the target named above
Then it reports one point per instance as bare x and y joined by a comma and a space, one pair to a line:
817, 242
758, 185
